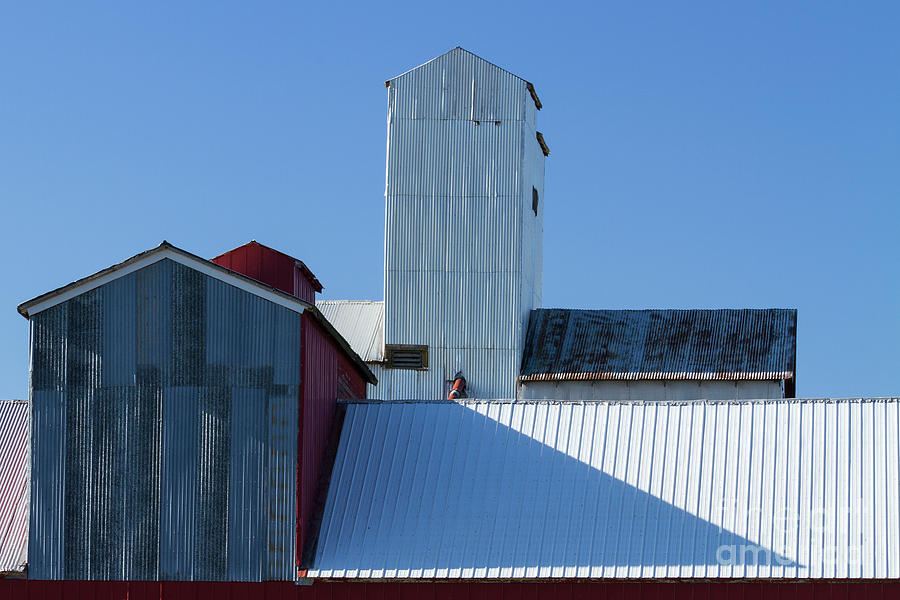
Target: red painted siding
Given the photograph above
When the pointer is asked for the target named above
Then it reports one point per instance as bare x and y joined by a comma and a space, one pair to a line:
326, 375
273, 268
457, 590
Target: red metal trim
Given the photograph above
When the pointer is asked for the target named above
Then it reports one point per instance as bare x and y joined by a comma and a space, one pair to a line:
453, 590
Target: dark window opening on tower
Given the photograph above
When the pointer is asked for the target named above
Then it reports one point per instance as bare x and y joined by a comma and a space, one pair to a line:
405, 356
534, 200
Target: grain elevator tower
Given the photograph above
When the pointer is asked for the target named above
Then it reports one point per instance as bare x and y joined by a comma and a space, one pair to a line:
464, 204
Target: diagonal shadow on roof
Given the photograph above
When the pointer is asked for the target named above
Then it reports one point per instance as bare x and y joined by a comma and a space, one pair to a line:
446, 490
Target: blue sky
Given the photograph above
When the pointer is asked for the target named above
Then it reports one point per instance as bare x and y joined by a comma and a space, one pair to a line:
705, 155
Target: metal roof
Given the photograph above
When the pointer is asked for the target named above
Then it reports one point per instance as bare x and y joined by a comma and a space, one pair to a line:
167, 251
13, 485
459, 50
361, 322
740, 489
310, 276
565, 344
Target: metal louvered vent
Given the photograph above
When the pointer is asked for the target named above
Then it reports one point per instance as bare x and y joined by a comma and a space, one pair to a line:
406, 356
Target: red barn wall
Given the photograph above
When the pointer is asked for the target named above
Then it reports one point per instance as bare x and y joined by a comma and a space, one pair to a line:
270, 267
326, 375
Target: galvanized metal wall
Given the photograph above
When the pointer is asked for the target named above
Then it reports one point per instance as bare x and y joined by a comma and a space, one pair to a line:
165, 410
462, 245
650, 391
770, 489
13, 485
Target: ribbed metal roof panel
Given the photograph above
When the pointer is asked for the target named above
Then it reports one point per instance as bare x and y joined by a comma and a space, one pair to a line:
564, 344
361, 322
13, 485
510, 490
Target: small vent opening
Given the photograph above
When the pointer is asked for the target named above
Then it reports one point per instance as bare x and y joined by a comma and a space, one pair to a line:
406, 356
534, 200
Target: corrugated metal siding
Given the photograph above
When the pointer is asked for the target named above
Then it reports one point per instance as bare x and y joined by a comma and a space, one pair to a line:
459, 271
565, 344
553, 590
361, 322
164, 432
327, 374
273, 268
13, 485
615, 490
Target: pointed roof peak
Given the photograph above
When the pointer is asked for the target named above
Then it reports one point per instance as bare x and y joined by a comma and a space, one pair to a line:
460, 49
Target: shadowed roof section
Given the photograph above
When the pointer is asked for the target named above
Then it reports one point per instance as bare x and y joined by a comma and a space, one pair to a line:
518, 490
728, 344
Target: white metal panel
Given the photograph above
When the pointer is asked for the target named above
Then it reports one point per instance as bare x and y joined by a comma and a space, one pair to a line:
502, 489
360, 322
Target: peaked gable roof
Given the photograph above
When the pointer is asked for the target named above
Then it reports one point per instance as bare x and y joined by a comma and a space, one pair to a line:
313, 280
461, 50
167, 251
164, 251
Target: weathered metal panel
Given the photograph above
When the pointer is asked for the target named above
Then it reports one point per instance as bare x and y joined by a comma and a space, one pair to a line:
137, 456
14, 426
652, 390
361, 322
47, 526
747, 344
460, 233
635, 490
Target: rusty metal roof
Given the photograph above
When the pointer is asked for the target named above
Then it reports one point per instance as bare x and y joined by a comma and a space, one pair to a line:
729, 344
13, 485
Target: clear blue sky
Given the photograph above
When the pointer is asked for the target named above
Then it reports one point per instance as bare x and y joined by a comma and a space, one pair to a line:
705, 155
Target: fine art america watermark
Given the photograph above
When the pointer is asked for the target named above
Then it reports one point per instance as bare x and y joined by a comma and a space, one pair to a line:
832, 535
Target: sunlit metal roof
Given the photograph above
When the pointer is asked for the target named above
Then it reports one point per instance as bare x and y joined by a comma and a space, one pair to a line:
741, 489
13, 485
567, 344
361, 322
